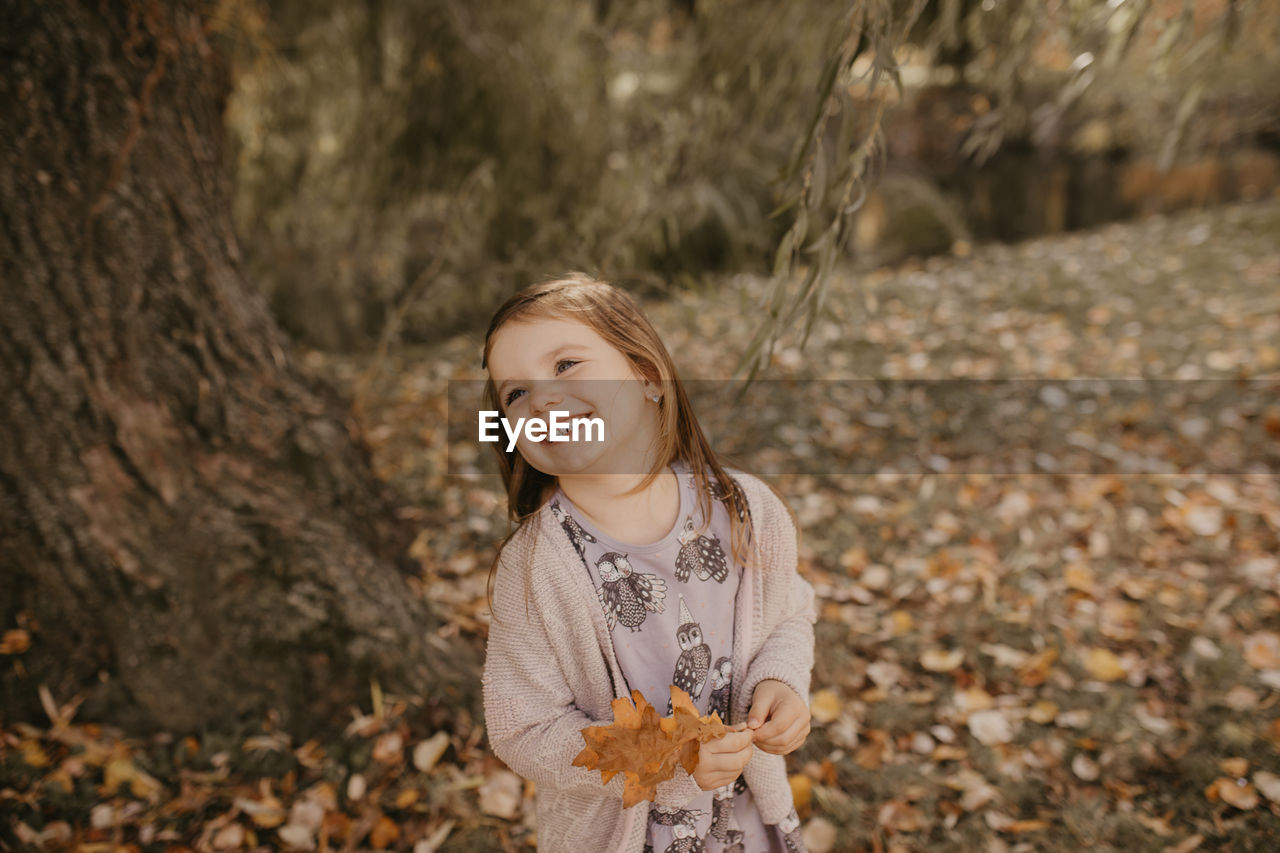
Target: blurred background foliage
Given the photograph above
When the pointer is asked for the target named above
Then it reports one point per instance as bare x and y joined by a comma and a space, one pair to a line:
402, 166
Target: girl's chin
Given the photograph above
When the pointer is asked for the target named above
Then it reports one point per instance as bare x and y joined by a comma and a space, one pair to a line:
566, 460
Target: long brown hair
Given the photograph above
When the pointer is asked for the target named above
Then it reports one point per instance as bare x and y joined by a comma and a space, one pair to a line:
616, 317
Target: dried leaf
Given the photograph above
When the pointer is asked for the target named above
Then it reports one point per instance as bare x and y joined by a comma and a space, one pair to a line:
819, 835
501, 793
14, 642
310, 755
337, 825
687, 728
900, 816
1187, 844
1234, 766
939, 660
901, 623
990, 727
229, 837
356, 786
296, 836
1268, 784
266, 813
646, 747
33, 753
1262, 650
1119, 620
388, 749
1085, 767
974, 699
825, 706
1234, 792
141, 784
948, 753
428, 752
1043, 712
1006, 655
1103, 665
1038, 667
801, 791
384, 833
1204, 520
308, 814
433, 841
277, 742
884, 673
1079, 577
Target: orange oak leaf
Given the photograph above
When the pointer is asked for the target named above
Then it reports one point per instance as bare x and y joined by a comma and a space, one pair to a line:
688, 729
646, 747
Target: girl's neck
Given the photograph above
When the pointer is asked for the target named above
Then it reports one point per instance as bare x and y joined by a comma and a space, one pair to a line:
638, 518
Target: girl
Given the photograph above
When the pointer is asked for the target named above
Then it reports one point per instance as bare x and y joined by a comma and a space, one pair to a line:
617, 578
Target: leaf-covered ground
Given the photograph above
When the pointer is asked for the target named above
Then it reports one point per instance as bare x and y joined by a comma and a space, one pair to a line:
1071, 657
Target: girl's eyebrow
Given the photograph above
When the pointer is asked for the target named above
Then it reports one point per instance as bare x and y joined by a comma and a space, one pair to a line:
550, 357
561, 350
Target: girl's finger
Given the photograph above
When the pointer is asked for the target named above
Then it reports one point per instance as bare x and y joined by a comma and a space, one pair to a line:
712, 766
794, 740
732, 742
769, 730
791, 732
723, 760
788, 740
776, 726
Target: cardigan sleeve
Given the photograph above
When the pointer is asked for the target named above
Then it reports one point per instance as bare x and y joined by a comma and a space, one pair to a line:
533, 722
787, 652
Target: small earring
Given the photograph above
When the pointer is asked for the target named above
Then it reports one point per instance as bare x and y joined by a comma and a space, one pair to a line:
656, 397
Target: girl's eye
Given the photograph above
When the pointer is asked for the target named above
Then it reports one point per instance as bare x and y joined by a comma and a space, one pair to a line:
561, 366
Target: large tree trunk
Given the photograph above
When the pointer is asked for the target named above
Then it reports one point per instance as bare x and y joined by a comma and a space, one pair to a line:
188, 527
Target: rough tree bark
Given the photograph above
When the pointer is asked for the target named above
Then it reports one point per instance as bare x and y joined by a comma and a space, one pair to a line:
188, 528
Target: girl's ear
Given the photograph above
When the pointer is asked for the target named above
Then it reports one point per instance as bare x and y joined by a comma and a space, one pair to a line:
653, 389
648, 373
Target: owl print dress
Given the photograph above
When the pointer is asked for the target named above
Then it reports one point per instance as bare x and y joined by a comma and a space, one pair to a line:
669, 606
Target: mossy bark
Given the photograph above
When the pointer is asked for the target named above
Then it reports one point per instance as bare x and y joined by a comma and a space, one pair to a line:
189, 525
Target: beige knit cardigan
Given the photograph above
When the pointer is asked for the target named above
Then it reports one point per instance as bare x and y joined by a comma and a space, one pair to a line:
550, 671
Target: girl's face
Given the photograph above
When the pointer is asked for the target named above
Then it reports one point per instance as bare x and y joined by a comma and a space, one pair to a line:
544, 364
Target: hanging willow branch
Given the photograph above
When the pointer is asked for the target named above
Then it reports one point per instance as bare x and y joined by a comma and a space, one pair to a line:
829, 174
871, 29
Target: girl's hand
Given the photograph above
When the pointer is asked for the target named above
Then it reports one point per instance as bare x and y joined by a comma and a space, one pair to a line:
721, 760
779, 717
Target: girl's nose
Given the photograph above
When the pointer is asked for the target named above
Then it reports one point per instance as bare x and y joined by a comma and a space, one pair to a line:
545, 395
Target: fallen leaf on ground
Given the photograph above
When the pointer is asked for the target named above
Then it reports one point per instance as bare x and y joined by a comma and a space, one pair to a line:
1233, 793
1103, 665
14, 642
825, 706
990, 727
1268, 784
941, 660
1262, 650
801, 791
819, 835
501, 793
428, 752
385, 833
